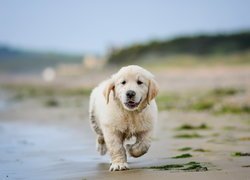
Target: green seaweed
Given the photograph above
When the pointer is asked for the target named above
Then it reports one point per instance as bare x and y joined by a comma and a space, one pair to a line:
187, 136
185, 149
202, 105
191, 127
51, 102
167, 101
225, 91
244, 138
229, 128
191, 163
238, 154
215, 134
167, 167
201, 150
233, 109
187, 155
195, 167
190, 166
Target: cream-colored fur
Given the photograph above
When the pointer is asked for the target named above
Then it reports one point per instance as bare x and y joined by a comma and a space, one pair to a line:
114, 121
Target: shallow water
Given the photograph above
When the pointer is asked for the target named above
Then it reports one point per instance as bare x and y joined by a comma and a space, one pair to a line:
32, 151
28, 151
3, 105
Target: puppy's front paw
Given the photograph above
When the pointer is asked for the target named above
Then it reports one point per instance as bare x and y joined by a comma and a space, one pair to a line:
118, 166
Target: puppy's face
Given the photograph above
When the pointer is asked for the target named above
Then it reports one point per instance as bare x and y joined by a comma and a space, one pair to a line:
133, 86
131, 89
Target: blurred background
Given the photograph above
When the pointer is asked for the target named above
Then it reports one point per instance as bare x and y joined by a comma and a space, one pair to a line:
52, 53
93, 34
75, 45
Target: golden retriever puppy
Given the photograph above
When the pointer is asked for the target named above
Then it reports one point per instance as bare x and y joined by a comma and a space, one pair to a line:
123, 107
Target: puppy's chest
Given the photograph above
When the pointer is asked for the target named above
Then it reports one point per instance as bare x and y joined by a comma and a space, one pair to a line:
132, 123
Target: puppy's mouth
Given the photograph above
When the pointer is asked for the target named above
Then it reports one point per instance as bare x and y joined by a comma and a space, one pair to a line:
132, 104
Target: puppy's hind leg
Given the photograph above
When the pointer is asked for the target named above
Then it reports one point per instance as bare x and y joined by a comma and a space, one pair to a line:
100, 142
101, 145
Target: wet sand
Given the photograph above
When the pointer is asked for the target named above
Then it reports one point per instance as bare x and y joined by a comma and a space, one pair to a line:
40, 142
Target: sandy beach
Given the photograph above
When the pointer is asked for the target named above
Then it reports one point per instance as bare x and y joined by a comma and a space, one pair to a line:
40, 139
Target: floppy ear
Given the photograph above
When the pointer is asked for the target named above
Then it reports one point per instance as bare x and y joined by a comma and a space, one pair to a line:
109, 87
153, 90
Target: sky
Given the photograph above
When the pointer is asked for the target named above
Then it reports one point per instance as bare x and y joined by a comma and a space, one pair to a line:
92, 26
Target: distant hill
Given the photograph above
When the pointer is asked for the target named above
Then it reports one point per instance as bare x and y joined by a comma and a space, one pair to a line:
14, 60
191, 45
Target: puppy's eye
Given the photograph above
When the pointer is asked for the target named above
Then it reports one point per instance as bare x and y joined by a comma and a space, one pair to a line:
139, 82
123, 82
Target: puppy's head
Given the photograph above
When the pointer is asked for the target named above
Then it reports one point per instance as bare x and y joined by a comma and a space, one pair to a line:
133, 86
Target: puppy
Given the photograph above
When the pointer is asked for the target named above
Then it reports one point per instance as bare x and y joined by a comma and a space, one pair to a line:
120, 108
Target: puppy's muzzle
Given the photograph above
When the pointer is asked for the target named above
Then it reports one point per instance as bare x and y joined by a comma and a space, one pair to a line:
130, 102
130, 94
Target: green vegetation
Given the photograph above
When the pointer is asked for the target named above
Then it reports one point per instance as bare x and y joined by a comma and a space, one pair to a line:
190, 127
191, 166
214, 101
188, 136
185, 149
237, 154
202, 45
32, 90
187, 155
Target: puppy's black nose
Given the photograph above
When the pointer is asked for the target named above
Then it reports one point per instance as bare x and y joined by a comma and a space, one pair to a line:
130, 94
